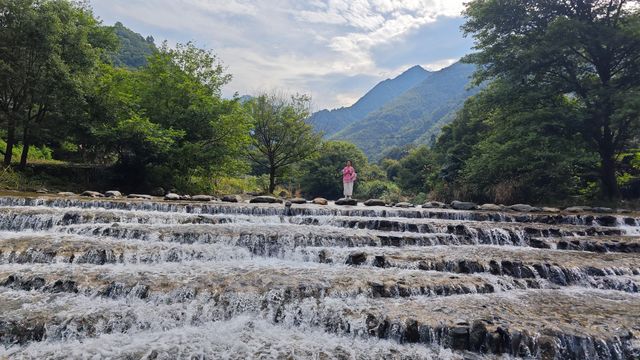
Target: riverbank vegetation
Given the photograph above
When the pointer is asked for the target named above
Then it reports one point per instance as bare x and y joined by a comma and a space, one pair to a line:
88, 105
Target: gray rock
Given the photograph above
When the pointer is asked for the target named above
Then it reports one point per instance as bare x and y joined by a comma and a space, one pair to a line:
523, 208
374, 202
42, 191
159, 191
66, 193
298, 201
404, 205
113, 193
139, 196
356, 258
264, 200
602, 210
172, 197
577, 209
345, 201
434, 205
93, 194
185, 197
320, 201
462, 205
204, 198
232, 198
490, 207
550, 209
287, 209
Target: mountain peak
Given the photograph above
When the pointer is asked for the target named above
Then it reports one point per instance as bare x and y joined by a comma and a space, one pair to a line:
335, 120
416, 68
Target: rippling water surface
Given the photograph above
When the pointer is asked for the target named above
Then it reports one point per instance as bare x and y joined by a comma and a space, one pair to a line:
154, 280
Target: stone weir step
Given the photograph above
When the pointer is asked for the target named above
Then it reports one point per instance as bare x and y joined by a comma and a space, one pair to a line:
590, 219
246, 337
43, 248
626, 244
18, 219
617, 271
294, 281
546, 324
271, 238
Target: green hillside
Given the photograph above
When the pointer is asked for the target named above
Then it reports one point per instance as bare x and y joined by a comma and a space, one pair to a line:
133, 49
332, 121
415, 116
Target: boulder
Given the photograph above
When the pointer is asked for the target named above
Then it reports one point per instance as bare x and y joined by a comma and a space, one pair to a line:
298, 201
66, 193
42, 191
139, 196
93, 194
490, 207
113, 193
320, 201
577, 209
374, 202
159, 191
523, 208
264, 200
346, 201
404, 205
602, 210
462, 205
185, 197
172, 197
550, 210
204, 198
434, 205
356, 258
232, 198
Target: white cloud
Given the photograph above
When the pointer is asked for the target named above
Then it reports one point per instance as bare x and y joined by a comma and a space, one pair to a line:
286, 43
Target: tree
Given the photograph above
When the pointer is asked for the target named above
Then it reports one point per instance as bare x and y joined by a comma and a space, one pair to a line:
323, 173
280, 135
509, 145
48, 46
588, 49
166, 123
413, 170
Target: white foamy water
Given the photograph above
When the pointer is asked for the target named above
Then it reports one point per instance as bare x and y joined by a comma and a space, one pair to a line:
106, 279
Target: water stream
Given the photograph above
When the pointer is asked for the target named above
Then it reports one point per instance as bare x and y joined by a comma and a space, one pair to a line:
122, 279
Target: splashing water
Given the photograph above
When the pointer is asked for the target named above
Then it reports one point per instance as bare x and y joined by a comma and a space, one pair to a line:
157, 280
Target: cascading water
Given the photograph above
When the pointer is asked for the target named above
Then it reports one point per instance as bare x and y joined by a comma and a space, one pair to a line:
156, 280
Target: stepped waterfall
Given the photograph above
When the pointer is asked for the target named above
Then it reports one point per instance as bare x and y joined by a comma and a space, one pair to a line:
150, 279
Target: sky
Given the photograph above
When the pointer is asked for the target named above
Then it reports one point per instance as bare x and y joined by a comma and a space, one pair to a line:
333, 50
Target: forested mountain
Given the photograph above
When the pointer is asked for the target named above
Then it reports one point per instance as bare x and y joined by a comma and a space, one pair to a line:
133, 49
415, 116
332, 121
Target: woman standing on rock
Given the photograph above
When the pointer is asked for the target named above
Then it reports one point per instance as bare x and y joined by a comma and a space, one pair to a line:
348, 178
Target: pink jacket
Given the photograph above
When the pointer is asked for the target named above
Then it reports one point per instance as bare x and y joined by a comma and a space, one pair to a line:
348, 174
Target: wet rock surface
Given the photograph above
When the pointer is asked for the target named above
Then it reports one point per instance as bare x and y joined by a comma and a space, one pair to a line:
264, 200
320, 201
232, 198
347, 201
461, 205
97, 278
375, 202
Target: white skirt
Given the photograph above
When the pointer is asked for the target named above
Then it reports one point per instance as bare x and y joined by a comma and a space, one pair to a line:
348, 188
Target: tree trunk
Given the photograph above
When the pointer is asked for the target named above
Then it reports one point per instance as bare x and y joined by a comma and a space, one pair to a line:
25, 148
11, 140
272, 179
608, 179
